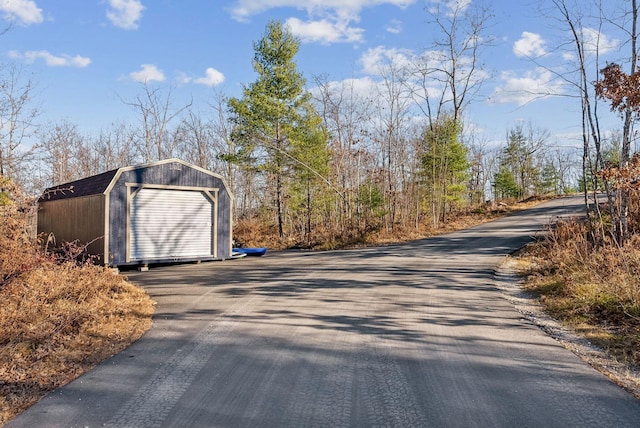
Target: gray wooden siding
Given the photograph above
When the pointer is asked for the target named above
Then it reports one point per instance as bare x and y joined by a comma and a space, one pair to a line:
168, 174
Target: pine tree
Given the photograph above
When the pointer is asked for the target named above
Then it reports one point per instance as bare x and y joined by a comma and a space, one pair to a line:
445, 167
274, 117
505, 185
518, 156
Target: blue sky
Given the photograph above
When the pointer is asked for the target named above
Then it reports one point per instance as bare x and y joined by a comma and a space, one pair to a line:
88, 56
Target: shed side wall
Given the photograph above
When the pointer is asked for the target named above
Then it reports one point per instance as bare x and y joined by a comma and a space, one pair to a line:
73, 219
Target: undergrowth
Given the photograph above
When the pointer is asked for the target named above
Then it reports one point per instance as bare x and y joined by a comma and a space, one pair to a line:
593, 288
58, 318
263, 232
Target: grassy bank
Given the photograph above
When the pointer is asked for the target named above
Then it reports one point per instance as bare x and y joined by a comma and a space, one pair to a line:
262, 232
595, 290
58, 318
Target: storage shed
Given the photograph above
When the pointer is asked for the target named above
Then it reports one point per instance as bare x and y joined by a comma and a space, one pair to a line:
164, 211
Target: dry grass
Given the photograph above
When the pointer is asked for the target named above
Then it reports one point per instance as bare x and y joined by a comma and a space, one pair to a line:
261, 233
594, 290
58, 319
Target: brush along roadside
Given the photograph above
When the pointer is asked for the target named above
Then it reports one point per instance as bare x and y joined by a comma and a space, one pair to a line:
58, 318
59, 321
586, 296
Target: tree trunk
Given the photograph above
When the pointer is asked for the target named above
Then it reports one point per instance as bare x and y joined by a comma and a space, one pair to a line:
626, 137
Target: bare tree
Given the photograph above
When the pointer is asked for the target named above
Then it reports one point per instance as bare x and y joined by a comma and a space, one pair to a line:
60, 144
484, 161
627, 91
564, 162
392, 121
443, 80
449, 74
155, 112
113, 147
223, 144
192, 137
17, 120
587, 53
346, 113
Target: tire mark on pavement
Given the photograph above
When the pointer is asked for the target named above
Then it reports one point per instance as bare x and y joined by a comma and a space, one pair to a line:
323, 394
154, 401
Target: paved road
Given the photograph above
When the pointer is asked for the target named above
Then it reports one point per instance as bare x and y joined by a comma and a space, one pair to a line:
412, 335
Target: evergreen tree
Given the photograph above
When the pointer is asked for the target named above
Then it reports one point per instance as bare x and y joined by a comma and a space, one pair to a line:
274, 115
445, 167
518, 158
310, 154
549, 179
505, 185
523, 156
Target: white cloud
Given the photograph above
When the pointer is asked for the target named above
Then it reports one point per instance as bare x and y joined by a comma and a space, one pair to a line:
183, 78
125, 13
363, 86
243, 9
52, 60
25, 12
324, 31
593, 42
534, 85
596, 41
451, 6
357, 90
212, 78
329, 21
375, 59
148, 73
394, 27
529, 45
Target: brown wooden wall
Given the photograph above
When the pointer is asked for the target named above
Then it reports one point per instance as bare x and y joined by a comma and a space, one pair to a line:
73, 219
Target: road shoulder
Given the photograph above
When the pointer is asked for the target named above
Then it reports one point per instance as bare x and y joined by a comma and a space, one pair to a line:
509, 284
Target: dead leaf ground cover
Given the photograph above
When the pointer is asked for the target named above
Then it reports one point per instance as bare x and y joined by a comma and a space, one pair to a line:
57, 322
260, 232
58, 318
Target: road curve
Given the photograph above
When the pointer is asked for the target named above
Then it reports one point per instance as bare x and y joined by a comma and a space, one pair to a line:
406, 335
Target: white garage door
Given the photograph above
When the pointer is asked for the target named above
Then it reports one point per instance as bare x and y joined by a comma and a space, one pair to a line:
170, 224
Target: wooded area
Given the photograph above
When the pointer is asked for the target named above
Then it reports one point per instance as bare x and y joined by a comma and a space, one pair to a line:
326, 161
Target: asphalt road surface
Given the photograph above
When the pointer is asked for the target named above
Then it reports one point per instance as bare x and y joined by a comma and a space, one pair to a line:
411, 335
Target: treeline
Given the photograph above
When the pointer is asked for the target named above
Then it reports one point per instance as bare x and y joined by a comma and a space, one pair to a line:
322, 161
320, 166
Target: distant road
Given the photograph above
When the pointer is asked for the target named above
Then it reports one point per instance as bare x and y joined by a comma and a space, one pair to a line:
411, 335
